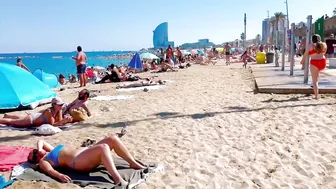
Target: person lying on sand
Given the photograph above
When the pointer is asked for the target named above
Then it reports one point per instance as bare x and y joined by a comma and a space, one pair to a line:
52, 116
84, 159
79, 103
147, 82
202, 60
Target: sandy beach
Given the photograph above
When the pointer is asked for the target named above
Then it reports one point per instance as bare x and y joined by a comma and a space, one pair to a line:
210, 130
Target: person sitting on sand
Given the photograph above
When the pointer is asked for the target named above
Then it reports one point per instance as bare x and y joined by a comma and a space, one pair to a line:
61, 79
79, 103
113, 75
146, 82
82, 159
52, 116
72, 78
165, 66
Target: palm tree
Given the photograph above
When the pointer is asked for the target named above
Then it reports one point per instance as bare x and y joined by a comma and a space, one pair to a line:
334, 12
279, 16
258, 39
272, 26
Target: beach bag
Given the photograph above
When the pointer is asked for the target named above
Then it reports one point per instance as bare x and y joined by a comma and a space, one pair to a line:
79, 115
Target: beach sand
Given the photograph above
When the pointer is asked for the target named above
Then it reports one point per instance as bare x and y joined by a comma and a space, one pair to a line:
211, 131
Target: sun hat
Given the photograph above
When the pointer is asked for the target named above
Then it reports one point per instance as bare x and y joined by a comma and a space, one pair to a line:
57, 101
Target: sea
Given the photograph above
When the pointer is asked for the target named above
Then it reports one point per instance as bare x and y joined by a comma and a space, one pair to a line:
62, 63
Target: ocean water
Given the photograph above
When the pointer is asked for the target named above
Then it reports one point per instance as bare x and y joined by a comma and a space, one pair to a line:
57, 63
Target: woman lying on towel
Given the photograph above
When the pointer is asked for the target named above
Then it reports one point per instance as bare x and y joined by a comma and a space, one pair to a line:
52, 116
146, 82
81, 159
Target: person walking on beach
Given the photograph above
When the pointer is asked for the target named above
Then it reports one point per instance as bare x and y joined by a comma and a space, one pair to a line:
227, 48
318, 62
81, 66
331, 42
21, 65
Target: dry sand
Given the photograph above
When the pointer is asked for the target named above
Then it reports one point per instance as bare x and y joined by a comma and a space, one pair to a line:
211, 131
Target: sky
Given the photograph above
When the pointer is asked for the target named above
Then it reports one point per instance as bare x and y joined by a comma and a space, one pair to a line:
62, 25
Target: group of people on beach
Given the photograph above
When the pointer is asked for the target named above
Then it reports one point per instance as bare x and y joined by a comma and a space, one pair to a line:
49, 158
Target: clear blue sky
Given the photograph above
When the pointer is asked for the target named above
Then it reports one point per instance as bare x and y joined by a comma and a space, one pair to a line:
61, 25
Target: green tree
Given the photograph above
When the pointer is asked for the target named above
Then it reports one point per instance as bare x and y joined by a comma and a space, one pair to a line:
258, 39
242, 36
334, 12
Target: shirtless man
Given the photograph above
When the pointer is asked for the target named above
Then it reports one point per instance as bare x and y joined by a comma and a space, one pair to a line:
80, 102
227, 48
21, 65
81, 66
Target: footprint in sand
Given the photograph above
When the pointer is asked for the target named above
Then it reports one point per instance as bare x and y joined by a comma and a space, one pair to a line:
299, 169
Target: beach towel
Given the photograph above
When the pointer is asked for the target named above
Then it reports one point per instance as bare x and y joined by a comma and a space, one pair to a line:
111, 98
11, 156
154, 87
99, 177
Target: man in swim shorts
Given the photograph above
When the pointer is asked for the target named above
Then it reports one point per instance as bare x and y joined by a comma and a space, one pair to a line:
81, 66
227, 48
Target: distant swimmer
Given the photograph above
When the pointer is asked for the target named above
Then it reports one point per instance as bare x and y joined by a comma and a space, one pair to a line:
21, 65
81, 66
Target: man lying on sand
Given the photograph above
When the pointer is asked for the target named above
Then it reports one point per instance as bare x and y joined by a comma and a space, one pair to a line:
52, 116
147, 82
79, 103
82, 159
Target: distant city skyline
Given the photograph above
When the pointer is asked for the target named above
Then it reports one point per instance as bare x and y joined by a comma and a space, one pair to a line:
45, 26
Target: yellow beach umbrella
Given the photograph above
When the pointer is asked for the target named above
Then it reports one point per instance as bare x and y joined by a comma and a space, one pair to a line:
220, 50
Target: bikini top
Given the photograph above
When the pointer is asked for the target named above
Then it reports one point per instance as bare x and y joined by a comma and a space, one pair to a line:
53, 155
313, 51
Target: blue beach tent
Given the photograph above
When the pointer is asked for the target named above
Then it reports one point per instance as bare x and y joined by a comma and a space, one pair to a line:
21, 89
135, 62
48, 79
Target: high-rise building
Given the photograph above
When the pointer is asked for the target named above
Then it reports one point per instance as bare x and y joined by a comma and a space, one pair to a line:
265, 31
160, 36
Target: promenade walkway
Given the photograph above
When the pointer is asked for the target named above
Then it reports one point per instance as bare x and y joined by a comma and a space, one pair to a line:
271, 79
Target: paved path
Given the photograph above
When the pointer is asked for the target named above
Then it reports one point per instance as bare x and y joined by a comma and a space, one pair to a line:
271, 79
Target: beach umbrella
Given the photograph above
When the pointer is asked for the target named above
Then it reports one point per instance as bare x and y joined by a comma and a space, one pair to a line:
99, 68
135, 62
21, 88
185, 52
148, 56
194, 51
200, 52
220, 50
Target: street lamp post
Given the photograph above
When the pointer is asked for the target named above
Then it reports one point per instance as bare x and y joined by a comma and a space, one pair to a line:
289, 58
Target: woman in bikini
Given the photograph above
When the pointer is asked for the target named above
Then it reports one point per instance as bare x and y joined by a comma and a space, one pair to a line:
318, 62
82, 159
52, 116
